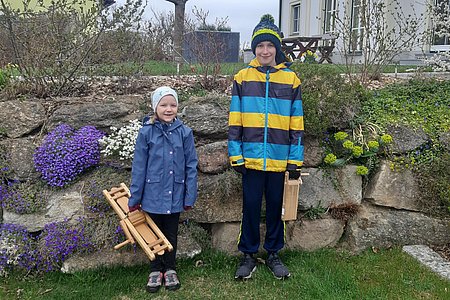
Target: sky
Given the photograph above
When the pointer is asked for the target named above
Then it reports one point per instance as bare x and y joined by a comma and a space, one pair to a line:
243, 15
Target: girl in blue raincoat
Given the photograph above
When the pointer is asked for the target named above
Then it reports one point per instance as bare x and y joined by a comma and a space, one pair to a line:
164, 179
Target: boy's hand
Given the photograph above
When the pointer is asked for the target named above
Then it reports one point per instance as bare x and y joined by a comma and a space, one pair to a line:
134, 207
240, 169
294, 174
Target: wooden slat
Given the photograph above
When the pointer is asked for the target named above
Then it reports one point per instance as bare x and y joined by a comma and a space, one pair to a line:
120, 194
156, 242
123, 203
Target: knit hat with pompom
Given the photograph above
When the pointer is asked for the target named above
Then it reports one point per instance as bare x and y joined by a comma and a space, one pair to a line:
266, 30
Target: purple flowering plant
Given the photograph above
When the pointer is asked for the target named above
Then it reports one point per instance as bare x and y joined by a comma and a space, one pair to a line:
17, 249
58, 241
46, 250
66, 152
22, 197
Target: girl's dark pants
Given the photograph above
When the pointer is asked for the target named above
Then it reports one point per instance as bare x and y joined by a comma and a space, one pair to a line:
168, 224
255, 184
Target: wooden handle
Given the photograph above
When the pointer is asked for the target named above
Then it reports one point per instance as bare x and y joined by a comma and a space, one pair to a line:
118, 246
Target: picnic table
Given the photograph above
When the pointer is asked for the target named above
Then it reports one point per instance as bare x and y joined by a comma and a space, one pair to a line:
294, 47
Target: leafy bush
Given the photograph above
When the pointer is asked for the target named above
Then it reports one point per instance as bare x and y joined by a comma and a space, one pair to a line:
434, 183
120, 143
6, 73
418, 103
3, 79
65, 153
328, 101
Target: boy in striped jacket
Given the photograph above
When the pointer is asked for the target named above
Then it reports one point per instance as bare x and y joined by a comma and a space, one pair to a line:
265, 139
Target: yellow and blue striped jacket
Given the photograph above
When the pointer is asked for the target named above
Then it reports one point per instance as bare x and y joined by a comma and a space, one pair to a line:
266, 119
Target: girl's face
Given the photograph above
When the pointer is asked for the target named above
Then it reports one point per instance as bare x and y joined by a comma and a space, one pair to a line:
265, 53
167, 109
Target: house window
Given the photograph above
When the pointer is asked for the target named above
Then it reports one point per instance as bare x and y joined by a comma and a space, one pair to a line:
357, 29
296, 19
329, 16
441, 38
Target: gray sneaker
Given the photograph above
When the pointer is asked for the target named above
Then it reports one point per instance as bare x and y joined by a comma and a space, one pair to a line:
246, 267
154, 282
277, 267
171, 281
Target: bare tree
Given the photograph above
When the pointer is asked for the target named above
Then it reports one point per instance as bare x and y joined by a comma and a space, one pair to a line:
180, 8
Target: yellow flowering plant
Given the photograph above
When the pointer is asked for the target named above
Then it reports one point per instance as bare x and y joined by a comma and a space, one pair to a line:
343, 148
309, 57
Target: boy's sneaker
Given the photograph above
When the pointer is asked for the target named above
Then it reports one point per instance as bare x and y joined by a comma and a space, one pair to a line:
171, 281
246, 267
277, 267
154, 282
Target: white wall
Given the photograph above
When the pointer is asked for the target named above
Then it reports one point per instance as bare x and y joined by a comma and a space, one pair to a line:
312, 14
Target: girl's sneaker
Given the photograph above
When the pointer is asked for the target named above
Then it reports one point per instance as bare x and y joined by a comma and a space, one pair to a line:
154, 282
171, 281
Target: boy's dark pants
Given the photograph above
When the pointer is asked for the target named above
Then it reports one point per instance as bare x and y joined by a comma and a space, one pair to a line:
168, 224
254, 184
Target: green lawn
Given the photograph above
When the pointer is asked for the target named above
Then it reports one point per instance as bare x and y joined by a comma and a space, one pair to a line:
170, 68
324, 274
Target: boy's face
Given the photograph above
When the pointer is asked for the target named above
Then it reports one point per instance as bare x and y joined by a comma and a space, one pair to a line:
167, 109
265, 53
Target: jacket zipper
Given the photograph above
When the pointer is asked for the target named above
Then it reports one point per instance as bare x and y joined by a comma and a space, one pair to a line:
266, 123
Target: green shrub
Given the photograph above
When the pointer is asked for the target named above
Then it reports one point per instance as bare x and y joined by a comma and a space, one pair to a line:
434, 183
417, 103
328, 100
3, 79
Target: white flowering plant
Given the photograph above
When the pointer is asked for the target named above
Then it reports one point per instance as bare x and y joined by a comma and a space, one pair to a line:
121, 142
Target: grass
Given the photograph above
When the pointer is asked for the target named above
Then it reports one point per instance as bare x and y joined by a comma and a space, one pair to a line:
164, 68
154, 68
324, 274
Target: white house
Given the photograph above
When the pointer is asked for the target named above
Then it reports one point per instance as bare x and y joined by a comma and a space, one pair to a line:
312, 18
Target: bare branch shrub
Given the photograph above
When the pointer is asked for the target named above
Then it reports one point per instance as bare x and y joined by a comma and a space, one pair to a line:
385, 30
206, 46
52, 43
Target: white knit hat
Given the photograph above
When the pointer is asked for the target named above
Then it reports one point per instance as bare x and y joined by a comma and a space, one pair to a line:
161, 92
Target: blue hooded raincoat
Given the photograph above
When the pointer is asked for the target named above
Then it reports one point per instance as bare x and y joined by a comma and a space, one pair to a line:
164, 169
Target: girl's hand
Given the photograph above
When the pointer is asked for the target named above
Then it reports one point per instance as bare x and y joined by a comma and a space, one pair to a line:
134, 207
187, 208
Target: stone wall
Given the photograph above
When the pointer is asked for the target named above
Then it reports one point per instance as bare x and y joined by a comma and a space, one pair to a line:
389, 208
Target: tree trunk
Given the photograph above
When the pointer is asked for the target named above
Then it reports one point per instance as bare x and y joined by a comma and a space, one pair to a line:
178, 34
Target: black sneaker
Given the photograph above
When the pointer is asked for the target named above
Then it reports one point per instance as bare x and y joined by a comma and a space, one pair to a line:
277, 267
246, 267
